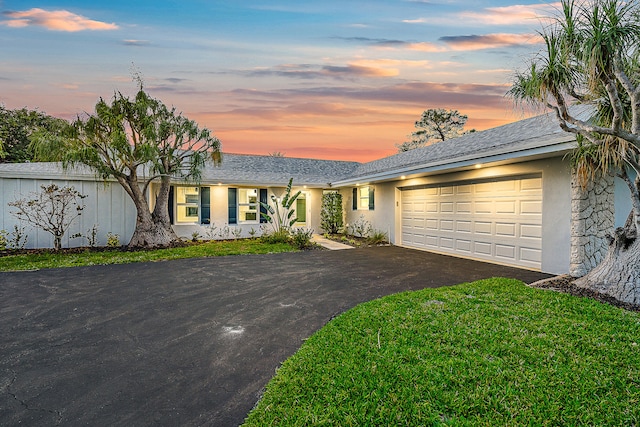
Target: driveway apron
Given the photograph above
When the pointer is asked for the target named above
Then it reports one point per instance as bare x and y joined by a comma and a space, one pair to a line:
185, 342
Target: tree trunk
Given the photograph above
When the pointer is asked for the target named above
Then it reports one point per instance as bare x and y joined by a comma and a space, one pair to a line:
618, 275
152, 230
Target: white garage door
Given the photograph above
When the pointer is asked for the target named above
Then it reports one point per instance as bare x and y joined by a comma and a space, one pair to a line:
498, 220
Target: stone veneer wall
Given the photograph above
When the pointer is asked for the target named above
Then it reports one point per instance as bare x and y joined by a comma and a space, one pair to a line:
592, 218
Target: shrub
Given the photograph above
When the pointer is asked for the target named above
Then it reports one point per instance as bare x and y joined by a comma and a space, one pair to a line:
301, 238
3, 240
360, 228
113, 240
377, 237
18, 239
331, 215
281, 236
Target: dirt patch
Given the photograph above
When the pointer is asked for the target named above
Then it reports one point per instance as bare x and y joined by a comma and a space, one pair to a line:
565, 283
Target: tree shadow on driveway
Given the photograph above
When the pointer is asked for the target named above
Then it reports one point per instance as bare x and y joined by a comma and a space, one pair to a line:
185, 342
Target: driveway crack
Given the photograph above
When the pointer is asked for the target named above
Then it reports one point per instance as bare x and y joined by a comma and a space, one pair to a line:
26, 405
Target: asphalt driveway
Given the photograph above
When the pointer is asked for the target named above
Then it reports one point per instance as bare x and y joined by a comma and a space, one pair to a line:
186, 342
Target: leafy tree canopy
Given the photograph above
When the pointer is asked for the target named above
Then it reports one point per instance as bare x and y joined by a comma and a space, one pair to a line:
18, 128
435, 124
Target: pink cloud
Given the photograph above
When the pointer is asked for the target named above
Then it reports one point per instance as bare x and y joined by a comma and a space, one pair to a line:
512, 15
489, 41
56, 20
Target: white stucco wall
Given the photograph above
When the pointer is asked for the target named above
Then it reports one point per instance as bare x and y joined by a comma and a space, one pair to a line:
107, 206
220, 214
556, 204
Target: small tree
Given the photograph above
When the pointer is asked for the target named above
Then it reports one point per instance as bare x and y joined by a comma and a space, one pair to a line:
331, 214
136, 142
53, 210
435, 124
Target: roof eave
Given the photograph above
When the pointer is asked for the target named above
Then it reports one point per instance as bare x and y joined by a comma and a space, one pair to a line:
461, 163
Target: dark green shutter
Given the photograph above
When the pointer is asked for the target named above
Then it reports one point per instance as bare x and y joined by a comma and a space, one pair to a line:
371, 199
355, 199
263, 199
233, 206
205, 205
170, 204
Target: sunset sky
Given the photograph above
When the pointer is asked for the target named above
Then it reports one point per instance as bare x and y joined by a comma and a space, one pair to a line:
326, 79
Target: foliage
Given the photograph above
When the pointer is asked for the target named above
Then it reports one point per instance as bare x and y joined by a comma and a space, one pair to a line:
237, 232
92, 236
492, 353
435, 124
377, 237
331, 213
361, 227
134, 140
274, 237
301, 238
80, 257
18, 128
52, 209
280, 212
113, 240
15, 240
592, 55
195, 236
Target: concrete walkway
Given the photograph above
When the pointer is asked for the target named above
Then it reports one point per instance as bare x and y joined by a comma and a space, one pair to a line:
329, 244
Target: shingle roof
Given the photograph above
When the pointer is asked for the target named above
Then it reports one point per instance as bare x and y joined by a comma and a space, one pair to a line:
273, 171
538, 135
511, 139
235, 169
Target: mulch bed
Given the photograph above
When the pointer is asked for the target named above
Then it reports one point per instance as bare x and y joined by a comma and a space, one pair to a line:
564, 283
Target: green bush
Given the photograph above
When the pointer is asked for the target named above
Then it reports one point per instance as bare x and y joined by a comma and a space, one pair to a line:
280, 236
331, 215
301, 238
378, 237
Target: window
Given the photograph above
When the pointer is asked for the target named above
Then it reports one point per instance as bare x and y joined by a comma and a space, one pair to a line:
363, 198
248, 205
301, 210
187, 204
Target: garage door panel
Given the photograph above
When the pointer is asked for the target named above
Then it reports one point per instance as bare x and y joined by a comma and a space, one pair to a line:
531, 207
481, 208
446, 225
482, 227
497, 220
463, 245
506, 252
483, 248
506, 229
463, 226
531, 230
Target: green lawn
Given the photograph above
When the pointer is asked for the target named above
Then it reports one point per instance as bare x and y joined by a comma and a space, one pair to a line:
488, 353
217, 248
